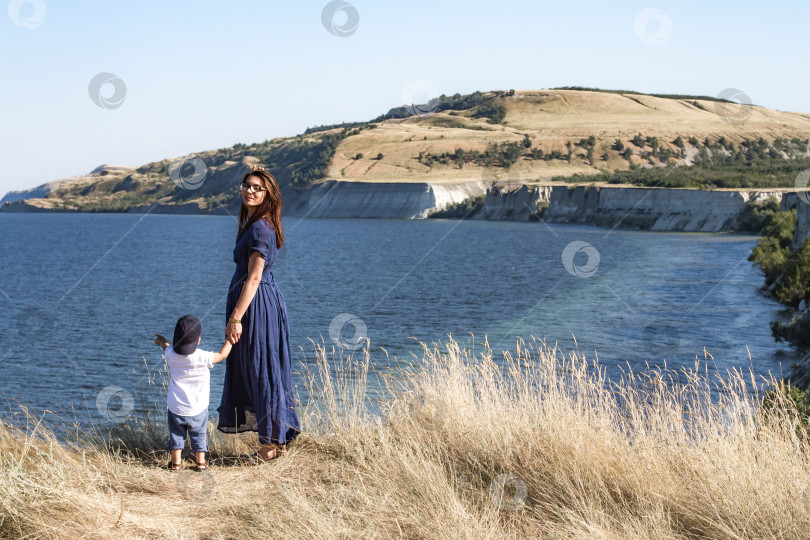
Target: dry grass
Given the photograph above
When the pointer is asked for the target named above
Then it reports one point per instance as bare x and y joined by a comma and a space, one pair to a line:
551, 118
543, 446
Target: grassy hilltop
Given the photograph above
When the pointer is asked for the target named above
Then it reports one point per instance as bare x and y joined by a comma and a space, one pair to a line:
550, 136
542, 447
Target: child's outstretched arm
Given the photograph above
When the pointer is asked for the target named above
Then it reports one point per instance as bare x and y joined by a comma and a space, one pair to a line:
160, 340
223, 353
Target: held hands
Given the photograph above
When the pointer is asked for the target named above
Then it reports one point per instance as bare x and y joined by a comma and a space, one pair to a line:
255, 168
233, 331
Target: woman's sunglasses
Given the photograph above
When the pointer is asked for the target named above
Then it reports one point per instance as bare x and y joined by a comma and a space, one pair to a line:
250, 188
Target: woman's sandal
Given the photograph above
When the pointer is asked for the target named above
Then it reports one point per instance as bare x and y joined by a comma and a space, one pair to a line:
174, 466
201, 466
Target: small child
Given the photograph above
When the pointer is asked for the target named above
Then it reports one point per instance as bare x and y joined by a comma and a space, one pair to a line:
189, 389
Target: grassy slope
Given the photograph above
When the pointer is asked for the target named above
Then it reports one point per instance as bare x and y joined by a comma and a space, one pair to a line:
540, 448
550, 118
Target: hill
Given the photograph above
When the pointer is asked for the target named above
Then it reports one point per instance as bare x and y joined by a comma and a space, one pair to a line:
545, 136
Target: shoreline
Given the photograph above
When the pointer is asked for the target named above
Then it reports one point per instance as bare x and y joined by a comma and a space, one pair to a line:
612, 206
296, 217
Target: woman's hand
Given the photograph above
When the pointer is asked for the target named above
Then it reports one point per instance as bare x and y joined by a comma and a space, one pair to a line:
233, 331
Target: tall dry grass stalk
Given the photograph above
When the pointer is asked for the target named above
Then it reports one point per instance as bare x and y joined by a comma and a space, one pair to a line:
538, 444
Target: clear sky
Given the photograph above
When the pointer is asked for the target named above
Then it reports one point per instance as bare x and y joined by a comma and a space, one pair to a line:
192, 75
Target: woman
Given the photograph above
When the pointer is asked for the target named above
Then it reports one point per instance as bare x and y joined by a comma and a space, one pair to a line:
258, 386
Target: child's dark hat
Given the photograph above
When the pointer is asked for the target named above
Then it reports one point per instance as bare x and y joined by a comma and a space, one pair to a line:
186, 334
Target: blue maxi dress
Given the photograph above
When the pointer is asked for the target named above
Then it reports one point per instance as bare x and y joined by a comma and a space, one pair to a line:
257, 395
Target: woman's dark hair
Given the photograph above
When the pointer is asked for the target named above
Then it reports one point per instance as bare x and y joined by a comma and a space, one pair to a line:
270, 207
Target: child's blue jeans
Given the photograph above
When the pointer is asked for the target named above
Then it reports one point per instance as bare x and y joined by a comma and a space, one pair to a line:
194, 425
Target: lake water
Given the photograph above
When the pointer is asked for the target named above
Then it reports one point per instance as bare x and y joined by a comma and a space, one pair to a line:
83, 294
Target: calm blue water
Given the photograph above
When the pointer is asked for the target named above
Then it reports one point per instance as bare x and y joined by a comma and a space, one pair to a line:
83, 294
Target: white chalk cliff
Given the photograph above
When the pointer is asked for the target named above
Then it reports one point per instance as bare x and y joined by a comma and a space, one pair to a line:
657, 209
408, 200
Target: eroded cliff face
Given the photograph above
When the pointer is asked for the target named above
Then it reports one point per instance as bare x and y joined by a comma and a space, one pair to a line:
514, 202
628, 207
651, 208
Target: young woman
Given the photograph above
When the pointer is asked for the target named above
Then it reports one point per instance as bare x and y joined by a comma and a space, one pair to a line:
258, 385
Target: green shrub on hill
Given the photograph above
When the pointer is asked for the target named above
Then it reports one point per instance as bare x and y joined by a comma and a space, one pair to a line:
756, 216
460, 210
722, 172
794, 284
493, 111
791, 399
456, 102
773, 250
301, 162
787, 277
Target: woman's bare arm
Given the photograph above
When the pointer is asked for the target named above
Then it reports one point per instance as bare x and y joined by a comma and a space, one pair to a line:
255, 266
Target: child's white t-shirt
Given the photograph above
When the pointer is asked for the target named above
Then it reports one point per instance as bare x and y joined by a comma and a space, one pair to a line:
189, 387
